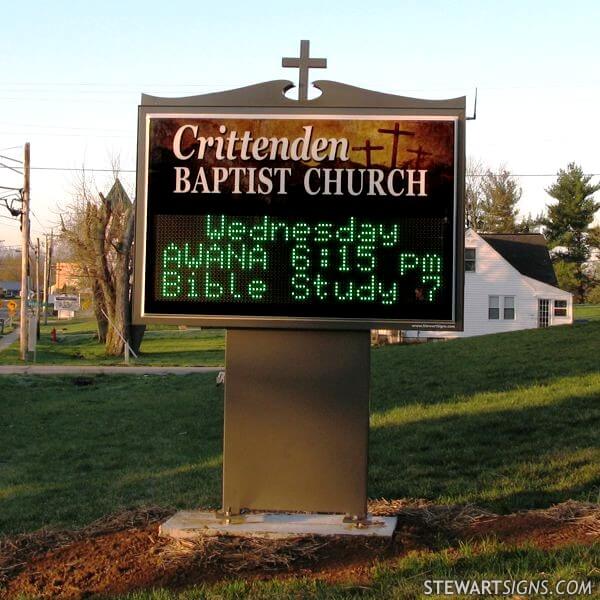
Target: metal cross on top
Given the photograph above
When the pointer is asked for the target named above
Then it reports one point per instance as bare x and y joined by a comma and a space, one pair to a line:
304, 63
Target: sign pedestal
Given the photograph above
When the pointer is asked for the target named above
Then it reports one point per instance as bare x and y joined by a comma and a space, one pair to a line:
192, 524
296, 421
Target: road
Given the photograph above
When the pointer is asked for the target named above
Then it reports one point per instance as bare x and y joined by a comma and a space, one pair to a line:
9, 339
31, 369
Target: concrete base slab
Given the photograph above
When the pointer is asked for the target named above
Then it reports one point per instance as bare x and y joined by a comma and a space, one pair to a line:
190, 524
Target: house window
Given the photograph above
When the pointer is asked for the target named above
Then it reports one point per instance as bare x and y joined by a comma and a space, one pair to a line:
470, 260
560, 308
509, 307
494, 307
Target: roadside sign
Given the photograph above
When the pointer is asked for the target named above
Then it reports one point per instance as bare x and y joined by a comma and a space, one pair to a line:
67, 302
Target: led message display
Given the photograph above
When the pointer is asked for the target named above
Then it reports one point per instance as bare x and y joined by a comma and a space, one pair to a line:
301, 217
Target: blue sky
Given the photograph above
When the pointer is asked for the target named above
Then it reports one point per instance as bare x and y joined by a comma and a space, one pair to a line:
71, 75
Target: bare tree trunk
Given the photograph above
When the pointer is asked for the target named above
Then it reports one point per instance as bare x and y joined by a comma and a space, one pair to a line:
124, 275
116, 330
114, 344
109, 284
134, 334
99, 309
122, 271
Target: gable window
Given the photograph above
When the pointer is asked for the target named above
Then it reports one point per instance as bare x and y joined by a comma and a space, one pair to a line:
560, 308
470, 260
509, 307
494, 307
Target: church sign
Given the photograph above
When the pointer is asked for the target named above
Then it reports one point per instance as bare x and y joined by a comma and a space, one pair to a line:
300, 218
299, 225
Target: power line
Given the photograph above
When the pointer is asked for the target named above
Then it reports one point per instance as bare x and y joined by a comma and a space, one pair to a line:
107, 170
533, 175
36, 218
15, 221
52, 134
13, 159
12, 197
14, 225
62, 127
106, 83
2, 165
78, 169
137, 85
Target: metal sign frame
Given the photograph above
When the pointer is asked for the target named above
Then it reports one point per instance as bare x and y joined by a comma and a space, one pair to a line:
336, 100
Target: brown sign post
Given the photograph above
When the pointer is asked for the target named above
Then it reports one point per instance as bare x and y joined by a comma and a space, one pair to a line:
268, 216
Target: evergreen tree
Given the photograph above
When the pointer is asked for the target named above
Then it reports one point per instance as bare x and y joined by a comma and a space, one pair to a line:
593, 237
593, 267
567, 225
501, 194
530, 224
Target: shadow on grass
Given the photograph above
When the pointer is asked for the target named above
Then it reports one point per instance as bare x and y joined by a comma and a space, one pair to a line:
503, 459
72, 454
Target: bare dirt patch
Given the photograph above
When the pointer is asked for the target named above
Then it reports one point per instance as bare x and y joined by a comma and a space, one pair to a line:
567, 523
124, 552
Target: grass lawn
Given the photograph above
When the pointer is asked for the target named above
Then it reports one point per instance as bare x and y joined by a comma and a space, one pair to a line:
587, 311
507, 422
7, 330
162, 345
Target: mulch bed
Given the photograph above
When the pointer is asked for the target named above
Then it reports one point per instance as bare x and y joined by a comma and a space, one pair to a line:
124, 552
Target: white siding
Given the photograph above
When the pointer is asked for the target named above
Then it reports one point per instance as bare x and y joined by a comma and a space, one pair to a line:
543, 290
494, 276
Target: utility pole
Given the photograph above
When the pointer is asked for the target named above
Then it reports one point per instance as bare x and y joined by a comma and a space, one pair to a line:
47, 270
38, 256
24, 254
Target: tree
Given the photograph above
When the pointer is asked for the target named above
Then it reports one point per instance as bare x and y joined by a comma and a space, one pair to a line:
594, 295
567, 225
99, 231
593, 266
491, 199
475, 174
593, 238
530, 224
501, 194
10, 265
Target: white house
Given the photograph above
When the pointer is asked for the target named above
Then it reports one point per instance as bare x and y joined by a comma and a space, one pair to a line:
510, 284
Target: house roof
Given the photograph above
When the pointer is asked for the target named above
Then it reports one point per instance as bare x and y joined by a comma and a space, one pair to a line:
118, 195
526, 252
